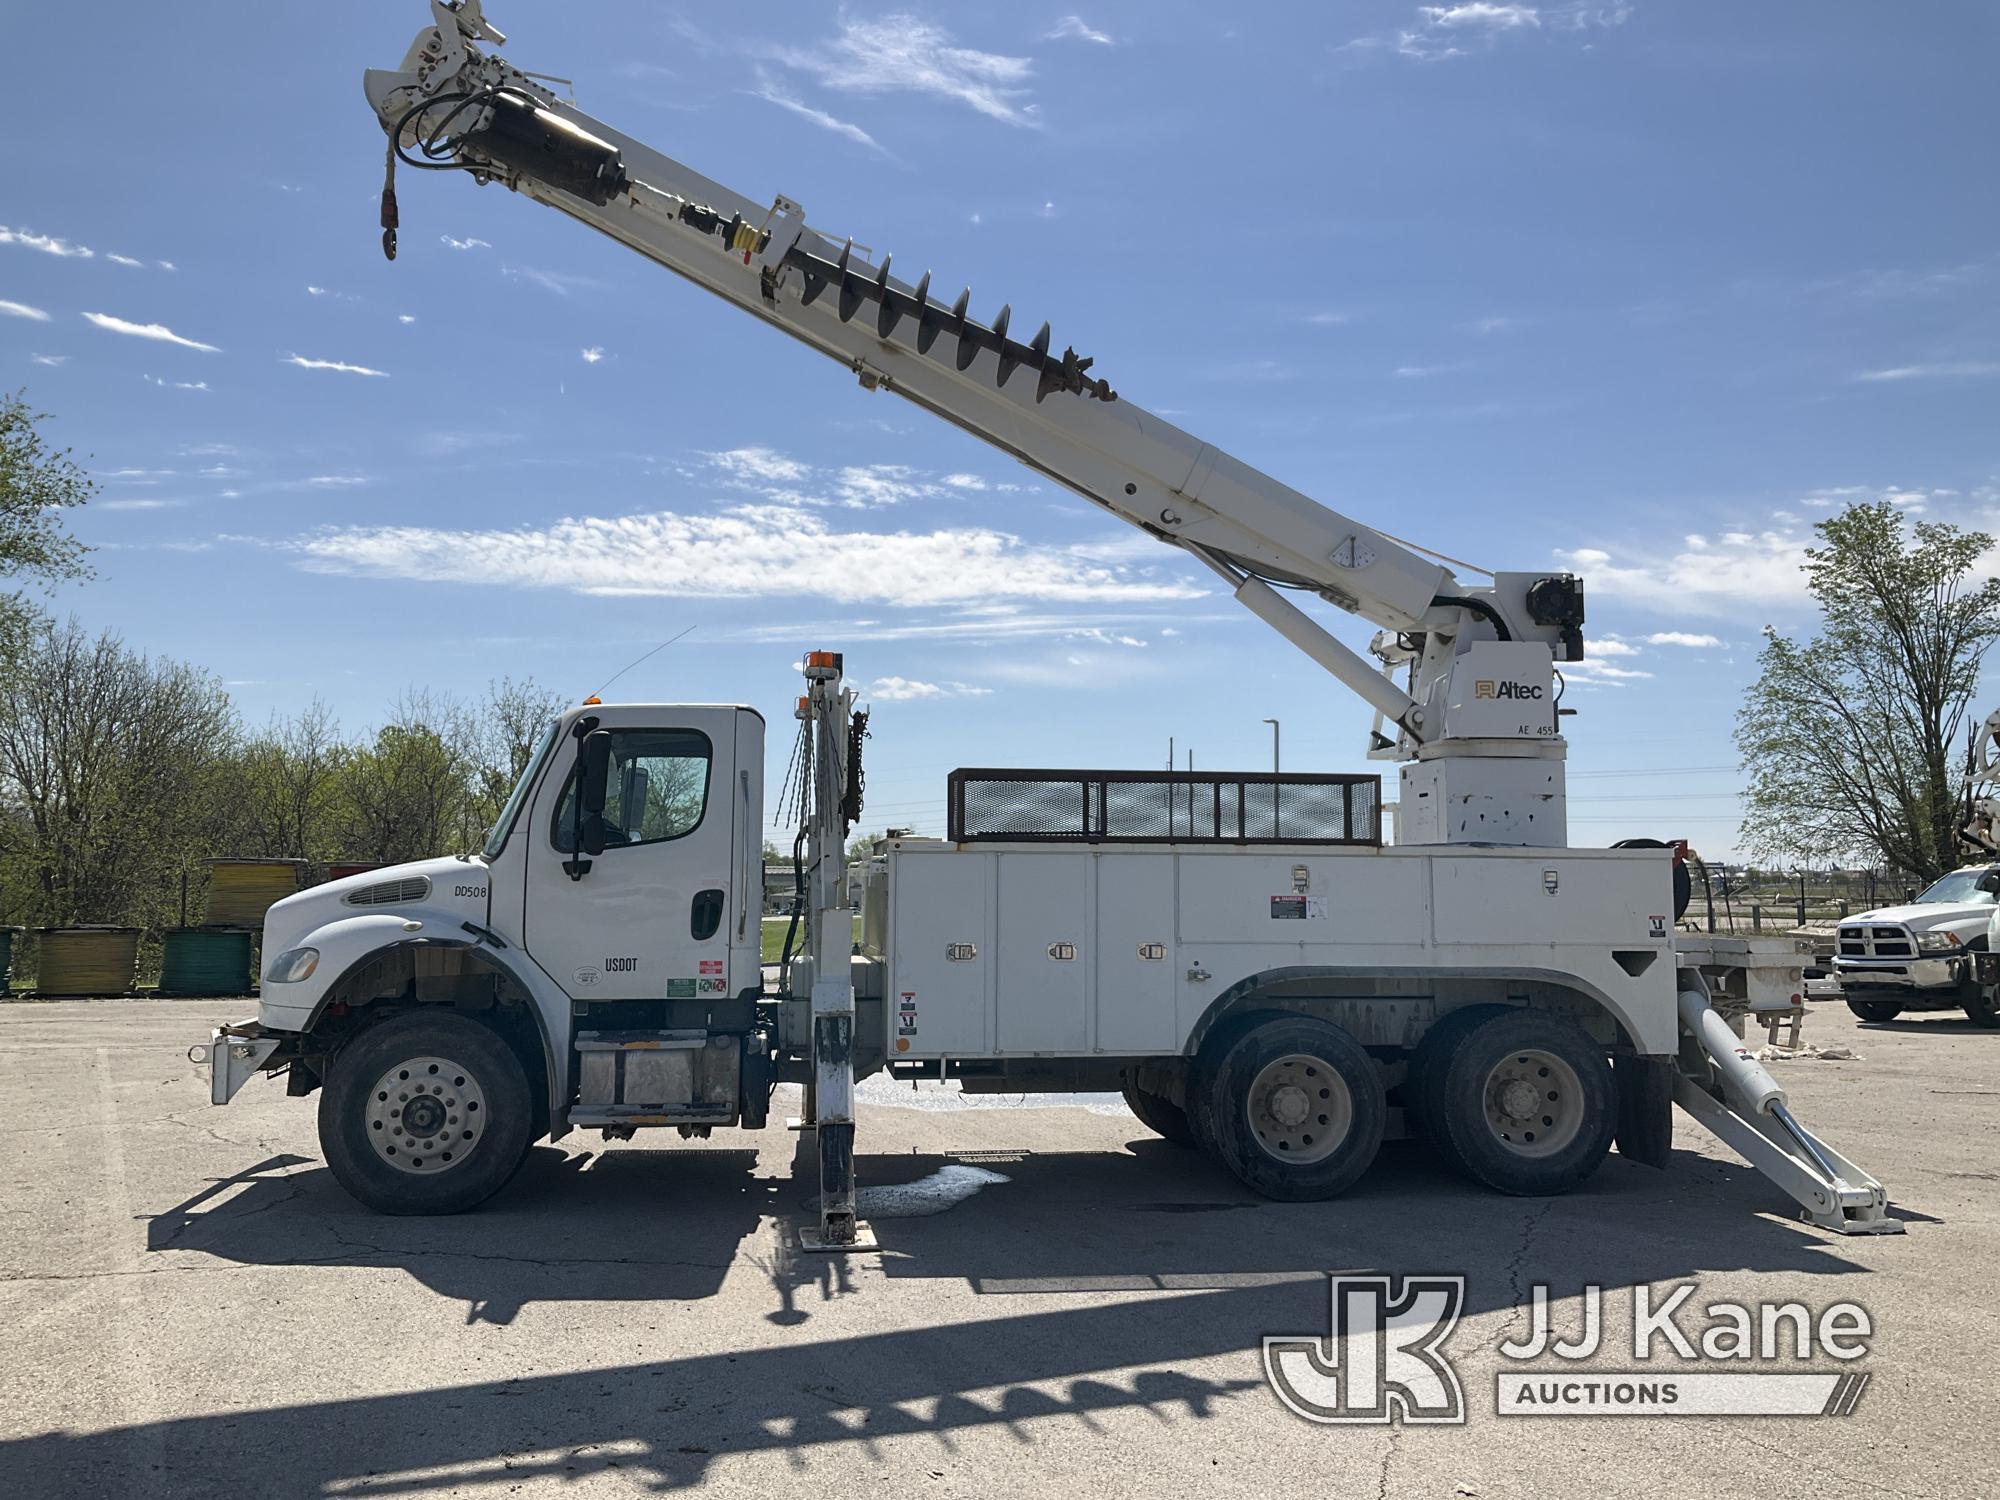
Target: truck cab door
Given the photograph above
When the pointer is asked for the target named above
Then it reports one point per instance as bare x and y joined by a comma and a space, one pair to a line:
668, 908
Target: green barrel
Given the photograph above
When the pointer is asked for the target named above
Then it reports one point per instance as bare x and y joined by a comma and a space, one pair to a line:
6, 957
204, 961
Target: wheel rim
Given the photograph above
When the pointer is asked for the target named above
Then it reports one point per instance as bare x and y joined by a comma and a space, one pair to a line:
426, 1115
1299, 1109
1533, 1102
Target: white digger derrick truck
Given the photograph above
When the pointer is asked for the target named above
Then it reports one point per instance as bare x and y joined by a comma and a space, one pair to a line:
1243, 955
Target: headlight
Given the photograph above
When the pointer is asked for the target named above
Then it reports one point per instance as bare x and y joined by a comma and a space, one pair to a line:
293, 965
1936, 942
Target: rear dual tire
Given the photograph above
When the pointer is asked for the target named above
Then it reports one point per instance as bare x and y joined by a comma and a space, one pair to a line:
1521, 1101
1297, 1109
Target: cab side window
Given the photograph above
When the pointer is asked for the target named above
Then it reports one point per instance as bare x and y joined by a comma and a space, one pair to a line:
657, 791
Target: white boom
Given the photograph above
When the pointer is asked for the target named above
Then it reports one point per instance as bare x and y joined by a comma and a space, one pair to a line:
1475, 718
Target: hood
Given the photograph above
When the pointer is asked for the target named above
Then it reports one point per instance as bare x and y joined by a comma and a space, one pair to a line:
1922, 917
434, 889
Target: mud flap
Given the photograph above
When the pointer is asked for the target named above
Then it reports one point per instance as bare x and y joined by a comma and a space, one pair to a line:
1645, 1108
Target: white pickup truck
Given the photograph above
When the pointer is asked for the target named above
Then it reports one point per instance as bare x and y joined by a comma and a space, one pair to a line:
1921, 956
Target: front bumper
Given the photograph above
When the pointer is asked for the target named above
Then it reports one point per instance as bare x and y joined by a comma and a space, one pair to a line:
1942, 973
234, 1054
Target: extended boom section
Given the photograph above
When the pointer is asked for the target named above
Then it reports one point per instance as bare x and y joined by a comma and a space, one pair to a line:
1464, 677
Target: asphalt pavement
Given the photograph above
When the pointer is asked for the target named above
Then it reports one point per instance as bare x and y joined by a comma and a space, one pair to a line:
1061, 1303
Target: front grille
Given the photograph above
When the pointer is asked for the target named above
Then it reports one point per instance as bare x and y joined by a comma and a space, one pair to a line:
391, 892
1877, 942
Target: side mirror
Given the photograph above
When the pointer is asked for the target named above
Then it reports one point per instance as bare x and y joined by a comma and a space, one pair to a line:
593, 775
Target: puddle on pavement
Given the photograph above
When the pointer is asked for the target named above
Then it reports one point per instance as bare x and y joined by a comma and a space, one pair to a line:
945, 1188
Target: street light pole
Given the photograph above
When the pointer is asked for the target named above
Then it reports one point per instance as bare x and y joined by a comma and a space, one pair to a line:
1274, 772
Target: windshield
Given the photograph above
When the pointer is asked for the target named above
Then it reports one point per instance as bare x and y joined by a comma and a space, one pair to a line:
1960, 888
496, 838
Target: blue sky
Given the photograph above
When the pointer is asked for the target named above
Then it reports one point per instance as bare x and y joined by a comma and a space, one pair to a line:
1645, 288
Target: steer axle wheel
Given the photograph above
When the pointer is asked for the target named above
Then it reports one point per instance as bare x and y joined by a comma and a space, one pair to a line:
426, 1113
1296, 1109
1875, 1010
1524, 1103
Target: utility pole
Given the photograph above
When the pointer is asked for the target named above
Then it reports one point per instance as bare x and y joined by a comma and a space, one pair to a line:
1275, 772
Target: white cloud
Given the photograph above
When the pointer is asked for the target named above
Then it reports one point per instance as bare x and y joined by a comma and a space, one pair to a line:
559, 282
906, 689
1682, 638
770, 93
335, 481
593, 354
158, 331
1720, 576
1441, 32
48, 359
1480, 13
1075, 29
122, 260
1961, 369
965, 481
1589, 673
1484, 326
902, 53
1328, 319
1425, 372
333, 364
465, 244
139, 504
759, 463
46, 243
405, 318
1611, 645
746, 551
22, 310
167, 265
177, 385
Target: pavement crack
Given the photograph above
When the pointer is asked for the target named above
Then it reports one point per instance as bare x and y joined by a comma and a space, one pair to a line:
1389, 1453
1530, 1222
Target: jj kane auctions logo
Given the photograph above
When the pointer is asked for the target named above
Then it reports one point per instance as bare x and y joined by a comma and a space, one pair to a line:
1382, 1358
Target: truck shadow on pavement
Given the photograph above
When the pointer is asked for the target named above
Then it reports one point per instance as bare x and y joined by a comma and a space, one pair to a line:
652, 1226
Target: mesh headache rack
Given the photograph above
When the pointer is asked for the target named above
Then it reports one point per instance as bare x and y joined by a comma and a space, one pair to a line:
1163, 807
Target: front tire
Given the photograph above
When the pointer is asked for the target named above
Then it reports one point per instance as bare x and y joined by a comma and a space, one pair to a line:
1529, 1106
1297, 1109
425, 1113
1982, 1008
1875, 1010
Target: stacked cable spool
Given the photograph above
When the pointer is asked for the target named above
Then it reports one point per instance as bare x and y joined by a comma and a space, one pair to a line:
205, 961
86, 961
240, 891
7, 957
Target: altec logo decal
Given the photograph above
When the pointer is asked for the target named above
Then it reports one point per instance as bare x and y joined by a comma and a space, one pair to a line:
1486, 687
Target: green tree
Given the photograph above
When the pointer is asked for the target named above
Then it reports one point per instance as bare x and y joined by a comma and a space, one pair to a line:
37, 483
1853, 739
287, 787
408, 794
117, 766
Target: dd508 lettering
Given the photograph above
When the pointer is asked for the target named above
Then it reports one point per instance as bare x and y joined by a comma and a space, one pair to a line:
477, 892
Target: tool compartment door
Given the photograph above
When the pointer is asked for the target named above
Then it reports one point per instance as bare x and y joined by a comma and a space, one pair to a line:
1043, 950
941, 970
